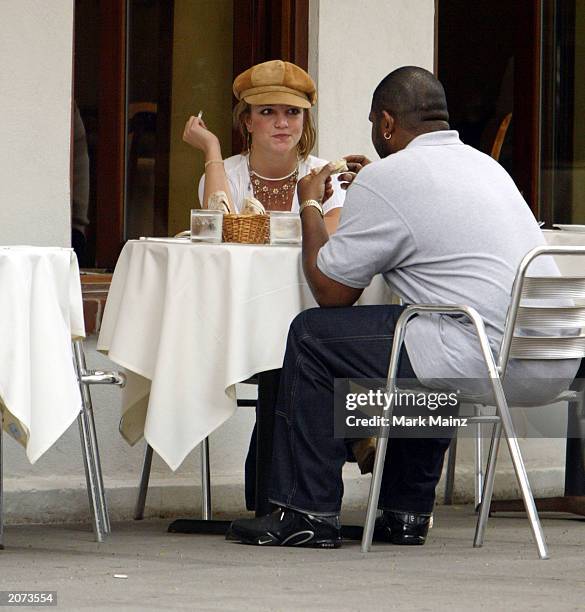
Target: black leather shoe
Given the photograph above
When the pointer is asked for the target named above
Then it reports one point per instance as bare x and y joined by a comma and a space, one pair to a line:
286, 527
403, 528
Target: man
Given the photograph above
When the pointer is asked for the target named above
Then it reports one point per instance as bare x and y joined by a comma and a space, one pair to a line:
443, 223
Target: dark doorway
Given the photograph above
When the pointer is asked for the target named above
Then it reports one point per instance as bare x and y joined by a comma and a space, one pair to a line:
488, 60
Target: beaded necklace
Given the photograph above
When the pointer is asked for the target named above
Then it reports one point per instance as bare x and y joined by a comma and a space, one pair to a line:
274, 193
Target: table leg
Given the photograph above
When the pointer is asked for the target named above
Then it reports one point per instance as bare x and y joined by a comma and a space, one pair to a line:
205, 481
143, 487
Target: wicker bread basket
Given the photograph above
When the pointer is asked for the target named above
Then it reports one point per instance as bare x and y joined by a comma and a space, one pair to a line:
249, 229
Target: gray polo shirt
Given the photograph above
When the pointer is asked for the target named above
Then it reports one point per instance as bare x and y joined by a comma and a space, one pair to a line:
444, 224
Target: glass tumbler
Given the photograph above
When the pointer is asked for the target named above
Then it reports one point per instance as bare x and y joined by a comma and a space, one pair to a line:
206, 225
285, 227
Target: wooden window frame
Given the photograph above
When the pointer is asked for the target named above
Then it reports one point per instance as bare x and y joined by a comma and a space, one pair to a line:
266, 30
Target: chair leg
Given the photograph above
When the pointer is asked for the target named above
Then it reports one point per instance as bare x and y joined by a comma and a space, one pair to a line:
450, 476
520, 470
90, 444
527, 495
478, 460
513, 446
488, 486
143, 488
382, 443
1, 484
381, 448
205, 481
98, 468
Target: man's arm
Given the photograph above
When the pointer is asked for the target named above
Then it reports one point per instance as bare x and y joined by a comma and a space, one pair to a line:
326, 291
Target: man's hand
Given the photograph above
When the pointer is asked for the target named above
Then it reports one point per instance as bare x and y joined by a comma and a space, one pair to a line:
328, 190
326, 291
316, 185
354, 163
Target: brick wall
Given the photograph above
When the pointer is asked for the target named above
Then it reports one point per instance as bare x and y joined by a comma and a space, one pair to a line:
94, 290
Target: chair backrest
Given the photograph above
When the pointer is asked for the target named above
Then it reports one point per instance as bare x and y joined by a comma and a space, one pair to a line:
500, 137
529, 332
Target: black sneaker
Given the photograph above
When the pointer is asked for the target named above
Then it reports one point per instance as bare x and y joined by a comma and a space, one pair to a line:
403, 528
286, 527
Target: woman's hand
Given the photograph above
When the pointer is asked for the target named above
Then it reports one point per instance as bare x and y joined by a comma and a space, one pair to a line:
313, 186
354, 163
198, 136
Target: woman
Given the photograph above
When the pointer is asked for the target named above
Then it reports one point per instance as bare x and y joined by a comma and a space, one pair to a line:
274, 119
273, 116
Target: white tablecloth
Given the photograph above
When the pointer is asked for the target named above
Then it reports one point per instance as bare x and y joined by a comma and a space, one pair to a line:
188, 322
567, 264
40, 311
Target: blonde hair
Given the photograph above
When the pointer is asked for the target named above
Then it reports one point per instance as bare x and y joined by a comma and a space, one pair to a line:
305, 144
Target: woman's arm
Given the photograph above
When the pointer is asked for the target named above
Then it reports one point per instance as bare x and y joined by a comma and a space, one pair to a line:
198, 136
334, 197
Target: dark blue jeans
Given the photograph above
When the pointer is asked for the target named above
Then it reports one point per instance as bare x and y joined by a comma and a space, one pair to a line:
324, 344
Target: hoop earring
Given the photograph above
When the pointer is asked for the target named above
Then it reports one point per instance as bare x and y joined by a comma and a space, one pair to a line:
387, 135
248, 141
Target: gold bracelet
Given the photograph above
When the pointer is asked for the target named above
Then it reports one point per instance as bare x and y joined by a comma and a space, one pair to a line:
313, 203
213, 161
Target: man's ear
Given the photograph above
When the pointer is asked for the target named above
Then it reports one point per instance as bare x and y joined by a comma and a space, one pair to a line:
387, 122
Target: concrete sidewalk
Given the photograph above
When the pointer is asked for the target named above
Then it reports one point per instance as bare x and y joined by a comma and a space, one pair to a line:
196, 572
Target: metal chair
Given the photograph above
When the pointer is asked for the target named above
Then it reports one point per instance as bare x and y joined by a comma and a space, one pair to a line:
89, 444
514, 345
572, 396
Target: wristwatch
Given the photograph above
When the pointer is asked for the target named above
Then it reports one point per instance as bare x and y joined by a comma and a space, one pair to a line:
312, 203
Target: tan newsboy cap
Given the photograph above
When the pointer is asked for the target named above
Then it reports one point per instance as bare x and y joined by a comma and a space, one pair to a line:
276, 82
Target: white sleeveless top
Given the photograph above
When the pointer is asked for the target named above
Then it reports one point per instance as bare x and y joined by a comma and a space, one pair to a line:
236, 169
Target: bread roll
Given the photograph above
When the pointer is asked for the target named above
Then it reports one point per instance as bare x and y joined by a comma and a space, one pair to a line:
339, 166
252, 206
218, 200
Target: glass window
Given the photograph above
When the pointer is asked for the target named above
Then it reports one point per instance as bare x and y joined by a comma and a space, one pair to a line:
85, 130
179, 62
563, 106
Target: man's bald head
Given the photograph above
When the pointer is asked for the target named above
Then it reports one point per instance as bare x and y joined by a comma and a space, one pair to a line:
407, 103
414, 97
